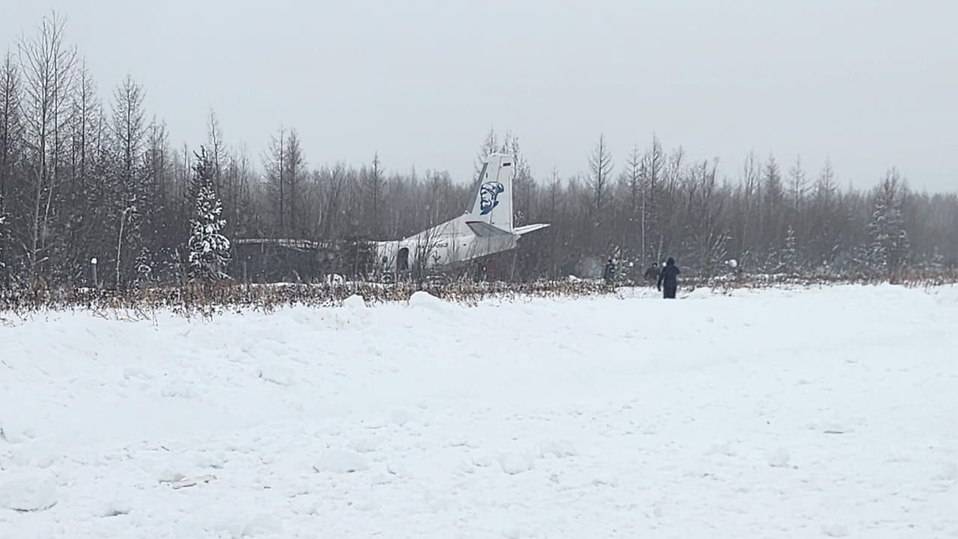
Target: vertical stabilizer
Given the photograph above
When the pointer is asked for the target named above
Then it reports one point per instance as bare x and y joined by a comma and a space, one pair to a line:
493, 203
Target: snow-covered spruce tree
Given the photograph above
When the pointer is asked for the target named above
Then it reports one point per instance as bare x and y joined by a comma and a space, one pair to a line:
132, 198
209, 249
3, 236
889, 240
937, 261
790, 258
143, 265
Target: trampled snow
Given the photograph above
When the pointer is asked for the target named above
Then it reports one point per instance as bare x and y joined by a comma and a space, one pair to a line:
785, 413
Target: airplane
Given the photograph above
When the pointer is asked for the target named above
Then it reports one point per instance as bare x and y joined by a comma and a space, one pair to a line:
485, 230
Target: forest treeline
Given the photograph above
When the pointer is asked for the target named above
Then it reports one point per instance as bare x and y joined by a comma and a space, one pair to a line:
87, 175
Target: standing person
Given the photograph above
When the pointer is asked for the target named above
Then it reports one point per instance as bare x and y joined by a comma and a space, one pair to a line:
652, 274
609, 272
670, 278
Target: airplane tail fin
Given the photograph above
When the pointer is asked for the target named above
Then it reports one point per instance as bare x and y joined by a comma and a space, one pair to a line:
493, 204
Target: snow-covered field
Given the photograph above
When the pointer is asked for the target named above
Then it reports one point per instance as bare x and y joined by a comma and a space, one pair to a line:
826, 412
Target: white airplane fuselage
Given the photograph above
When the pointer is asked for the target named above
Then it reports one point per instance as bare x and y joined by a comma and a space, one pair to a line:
485, 230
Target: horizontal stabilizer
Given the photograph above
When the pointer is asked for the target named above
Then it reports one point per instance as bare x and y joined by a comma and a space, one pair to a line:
484, 229
529, 228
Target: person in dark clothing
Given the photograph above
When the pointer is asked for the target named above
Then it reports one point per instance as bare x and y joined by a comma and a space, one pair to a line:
669, 279
652, 274
609, 272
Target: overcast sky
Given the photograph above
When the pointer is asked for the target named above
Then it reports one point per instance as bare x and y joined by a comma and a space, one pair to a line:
868, 83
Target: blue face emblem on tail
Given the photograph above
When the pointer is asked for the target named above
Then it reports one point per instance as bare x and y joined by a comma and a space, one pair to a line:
489, 196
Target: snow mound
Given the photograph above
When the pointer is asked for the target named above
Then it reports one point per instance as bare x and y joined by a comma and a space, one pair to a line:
28, 494
722, 448
400, 417
514, 463
178, 390
558, 449
341, 461
779, 458
513, 532
13, 433
114, 509
364, 445
700, 293
425, 299
397, 468
263, 526
354, 302
947, 472
835, 530
278, 375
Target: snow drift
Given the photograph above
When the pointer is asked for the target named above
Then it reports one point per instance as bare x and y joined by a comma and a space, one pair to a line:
812, 413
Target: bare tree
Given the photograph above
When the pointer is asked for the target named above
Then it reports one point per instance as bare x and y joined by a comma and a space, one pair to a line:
80, 196
600, 167
668, 219
773, 203
275, 164
489, 146
750, 183
632, 177
216, 150
797, 185
48, 72
129, 128
295, 171
334, 182
822, 241
523, 183
10, 125
10, 136
131, 202
375, 183
86, 114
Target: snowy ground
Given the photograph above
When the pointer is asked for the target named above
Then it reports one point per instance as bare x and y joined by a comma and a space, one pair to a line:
827, 412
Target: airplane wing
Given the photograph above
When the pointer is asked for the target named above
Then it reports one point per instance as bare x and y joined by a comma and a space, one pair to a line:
485, 230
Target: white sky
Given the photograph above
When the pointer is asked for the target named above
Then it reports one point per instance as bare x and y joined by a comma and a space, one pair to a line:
868, 83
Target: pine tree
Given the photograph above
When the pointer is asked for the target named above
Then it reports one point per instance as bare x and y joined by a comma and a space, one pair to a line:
790, 258
773, 203
3, 236
209, 248
889, 240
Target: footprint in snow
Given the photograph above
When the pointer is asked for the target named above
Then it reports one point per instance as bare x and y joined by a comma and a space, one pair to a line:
514, 463
341, 461
28, 494
835, 530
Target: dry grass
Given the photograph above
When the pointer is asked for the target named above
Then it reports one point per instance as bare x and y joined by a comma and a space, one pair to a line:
208, 300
